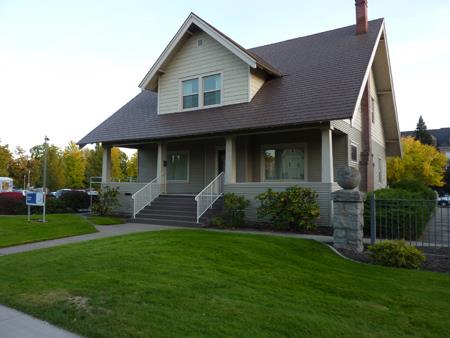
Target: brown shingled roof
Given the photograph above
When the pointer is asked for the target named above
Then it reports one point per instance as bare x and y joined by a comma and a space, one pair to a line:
322, 77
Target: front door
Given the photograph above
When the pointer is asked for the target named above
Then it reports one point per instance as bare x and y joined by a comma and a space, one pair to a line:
220, 161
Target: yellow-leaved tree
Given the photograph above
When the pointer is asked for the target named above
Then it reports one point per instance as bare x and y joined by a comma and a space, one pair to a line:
420, 162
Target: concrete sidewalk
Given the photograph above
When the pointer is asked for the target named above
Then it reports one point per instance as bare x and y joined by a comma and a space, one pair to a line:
103, 232
15, 324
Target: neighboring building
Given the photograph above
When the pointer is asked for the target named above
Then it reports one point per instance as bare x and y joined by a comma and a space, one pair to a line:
440, 136
283, 114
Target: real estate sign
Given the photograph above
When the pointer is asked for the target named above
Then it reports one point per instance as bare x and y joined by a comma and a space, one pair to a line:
35, 198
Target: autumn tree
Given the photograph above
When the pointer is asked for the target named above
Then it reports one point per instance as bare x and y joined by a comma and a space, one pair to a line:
132, 166
422, 134
21, 166
118, 164
55, 166
420, 162
5, 159
74, 166
94, 158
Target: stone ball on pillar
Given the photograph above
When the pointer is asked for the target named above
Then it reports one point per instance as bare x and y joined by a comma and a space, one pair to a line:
348, 177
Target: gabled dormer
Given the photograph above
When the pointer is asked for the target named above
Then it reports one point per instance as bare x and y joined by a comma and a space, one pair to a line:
203, 68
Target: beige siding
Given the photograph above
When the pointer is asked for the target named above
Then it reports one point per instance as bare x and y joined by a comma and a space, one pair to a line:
192, 61
250, 190
257, 79
147, 162
377, 126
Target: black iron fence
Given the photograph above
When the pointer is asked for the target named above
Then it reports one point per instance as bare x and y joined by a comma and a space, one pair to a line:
420, 222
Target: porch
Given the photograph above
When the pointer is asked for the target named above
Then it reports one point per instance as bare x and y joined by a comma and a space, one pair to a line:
251, 163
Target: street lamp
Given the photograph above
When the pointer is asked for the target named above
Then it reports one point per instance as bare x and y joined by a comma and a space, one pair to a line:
44, 181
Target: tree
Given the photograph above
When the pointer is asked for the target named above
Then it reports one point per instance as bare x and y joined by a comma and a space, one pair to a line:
421, 133
118, 164
74, 166
5, 159
132, 166
94, 158
420, 162
55, 166
21, 165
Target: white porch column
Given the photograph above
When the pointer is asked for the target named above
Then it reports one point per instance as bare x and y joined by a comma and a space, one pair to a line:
161, 164
327, 156
106, 164
230, 160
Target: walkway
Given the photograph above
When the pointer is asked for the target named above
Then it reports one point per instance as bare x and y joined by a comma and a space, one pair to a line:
103, 232
15, 324
437, 231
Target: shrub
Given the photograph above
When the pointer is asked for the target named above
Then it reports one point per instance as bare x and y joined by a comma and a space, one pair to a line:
12, 205
106, 202
295, 208
233, 214
53, 206
400, 213
415, 186
397, 254
75, 200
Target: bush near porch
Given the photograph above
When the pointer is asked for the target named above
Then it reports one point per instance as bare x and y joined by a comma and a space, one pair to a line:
296, 208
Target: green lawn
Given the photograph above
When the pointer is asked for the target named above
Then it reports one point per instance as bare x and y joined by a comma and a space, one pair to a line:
105, 220
15, 230
193, 283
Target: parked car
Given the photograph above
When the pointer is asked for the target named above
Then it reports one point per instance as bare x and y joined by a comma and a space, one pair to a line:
444, 201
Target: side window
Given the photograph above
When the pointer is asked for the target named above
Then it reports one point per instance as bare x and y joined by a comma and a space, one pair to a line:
354, 152
372, 108
380, 170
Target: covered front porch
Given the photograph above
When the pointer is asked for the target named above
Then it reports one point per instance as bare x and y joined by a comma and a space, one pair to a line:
251, 162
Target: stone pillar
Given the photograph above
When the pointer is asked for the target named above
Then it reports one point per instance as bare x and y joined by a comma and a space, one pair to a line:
348, 218
230, 160
106, 164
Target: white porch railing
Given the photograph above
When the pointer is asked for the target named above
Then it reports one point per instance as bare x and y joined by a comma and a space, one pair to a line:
206, 198
147, 194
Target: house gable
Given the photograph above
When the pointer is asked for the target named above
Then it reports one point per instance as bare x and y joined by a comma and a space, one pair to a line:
198, 56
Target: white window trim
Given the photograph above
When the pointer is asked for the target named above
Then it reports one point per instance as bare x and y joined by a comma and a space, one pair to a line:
199, 77
283, 146
188, 164
353, 144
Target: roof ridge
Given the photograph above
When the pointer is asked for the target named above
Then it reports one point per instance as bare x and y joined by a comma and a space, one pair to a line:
310, 35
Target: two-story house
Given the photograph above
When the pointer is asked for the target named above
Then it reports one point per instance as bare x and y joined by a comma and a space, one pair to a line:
216, 117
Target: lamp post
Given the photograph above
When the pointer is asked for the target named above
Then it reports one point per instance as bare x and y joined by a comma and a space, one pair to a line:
44, 181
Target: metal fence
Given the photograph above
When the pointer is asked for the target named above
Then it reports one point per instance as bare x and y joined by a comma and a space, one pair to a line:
422, 223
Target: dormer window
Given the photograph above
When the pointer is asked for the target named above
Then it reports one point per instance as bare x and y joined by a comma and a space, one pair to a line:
201, 92
211, 90
190, 94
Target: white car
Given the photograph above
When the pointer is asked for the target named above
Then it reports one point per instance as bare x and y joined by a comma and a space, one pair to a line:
444, 201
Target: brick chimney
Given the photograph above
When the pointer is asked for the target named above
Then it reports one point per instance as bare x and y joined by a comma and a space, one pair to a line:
362, 25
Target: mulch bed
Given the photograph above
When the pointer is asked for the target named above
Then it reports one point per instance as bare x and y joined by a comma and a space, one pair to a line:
437, 260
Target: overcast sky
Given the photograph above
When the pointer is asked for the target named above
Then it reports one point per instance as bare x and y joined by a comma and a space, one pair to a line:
65, 66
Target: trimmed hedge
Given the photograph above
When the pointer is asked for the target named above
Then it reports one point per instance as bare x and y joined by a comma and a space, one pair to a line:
397, 254
403, 210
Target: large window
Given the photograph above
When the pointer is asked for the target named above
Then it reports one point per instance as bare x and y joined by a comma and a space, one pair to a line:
190, 94
202, 91
211, 90
284, 162
178, 166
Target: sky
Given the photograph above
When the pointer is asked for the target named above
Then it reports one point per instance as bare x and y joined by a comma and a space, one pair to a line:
65, 66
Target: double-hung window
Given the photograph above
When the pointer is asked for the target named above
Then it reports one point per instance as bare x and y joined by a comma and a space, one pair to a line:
284, 162
211, 90
190, 94
202, 91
